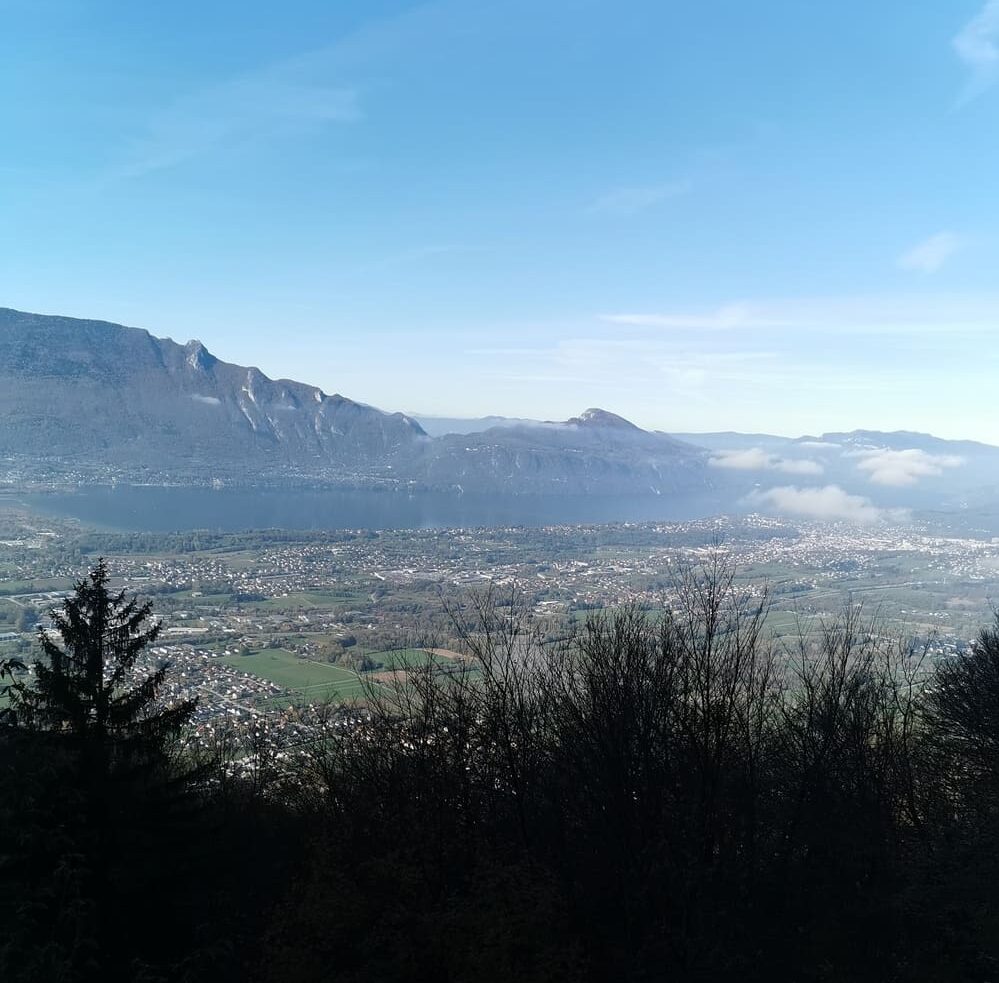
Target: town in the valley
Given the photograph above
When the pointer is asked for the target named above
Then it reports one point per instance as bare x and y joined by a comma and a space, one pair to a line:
267, 626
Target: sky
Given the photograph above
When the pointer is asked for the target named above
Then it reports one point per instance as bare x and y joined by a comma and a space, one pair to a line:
703, 215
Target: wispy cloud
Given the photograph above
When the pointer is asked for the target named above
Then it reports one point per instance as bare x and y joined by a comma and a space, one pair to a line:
629, 201
829, 503
930, 254
902, 468
884, 314
409, 257
977, 45
757, 459
250, 107
683, 375
726, 318
307, 91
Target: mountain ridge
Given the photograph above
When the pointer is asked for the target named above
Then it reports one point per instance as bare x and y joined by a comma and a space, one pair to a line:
94, 399
99, 393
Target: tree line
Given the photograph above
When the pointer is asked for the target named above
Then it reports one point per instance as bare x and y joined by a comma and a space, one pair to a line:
669, 797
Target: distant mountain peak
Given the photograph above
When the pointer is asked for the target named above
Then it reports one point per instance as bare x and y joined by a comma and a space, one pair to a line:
595, 417
199, 357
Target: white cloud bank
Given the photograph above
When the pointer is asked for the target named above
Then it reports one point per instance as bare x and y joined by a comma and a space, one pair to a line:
757, 459
829, 503
902, 468
977, 45
819, 445
929, 255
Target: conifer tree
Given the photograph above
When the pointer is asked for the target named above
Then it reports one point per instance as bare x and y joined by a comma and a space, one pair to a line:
106, 806
88, 687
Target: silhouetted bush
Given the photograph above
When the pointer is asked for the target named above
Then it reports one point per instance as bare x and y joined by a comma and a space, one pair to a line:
671, 797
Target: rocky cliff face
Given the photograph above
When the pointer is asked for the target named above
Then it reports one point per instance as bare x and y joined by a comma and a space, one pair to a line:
89, 389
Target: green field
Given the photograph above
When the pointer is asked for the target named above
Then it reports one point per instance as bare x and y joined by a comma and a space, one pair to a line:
307, 600
402, 658
195, 598
313, 681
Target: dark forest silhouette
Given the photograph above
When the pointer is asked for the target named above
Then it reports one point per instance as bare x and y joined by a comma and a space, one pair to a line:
653, 798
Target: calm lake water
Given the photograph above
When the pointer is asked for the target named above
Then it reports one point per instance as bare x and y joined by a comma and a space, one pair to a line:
149, 509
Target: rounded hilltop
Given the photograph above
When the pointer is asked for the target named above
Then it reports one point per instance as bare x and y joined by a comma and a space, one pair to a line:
596, 417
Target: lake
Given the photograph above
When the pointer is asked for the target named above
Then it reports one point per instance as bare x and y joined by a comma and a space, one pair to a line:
156, 509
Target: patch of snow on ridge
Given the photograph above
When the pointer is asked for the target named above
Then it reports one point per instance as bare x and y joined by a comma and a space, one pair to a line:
211, 400
252, 422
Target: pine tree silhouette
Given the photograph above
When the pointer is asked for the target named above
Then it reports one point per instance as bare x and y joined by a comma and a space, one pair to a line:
108, 794
89, 686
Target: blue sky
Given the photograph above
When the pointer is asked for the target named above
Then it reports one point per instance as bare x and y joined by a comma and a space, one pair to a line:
774, 216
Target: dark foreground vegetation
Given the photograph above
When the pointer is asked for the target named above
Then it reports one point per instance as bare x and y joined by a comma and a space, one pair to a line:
651, 799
